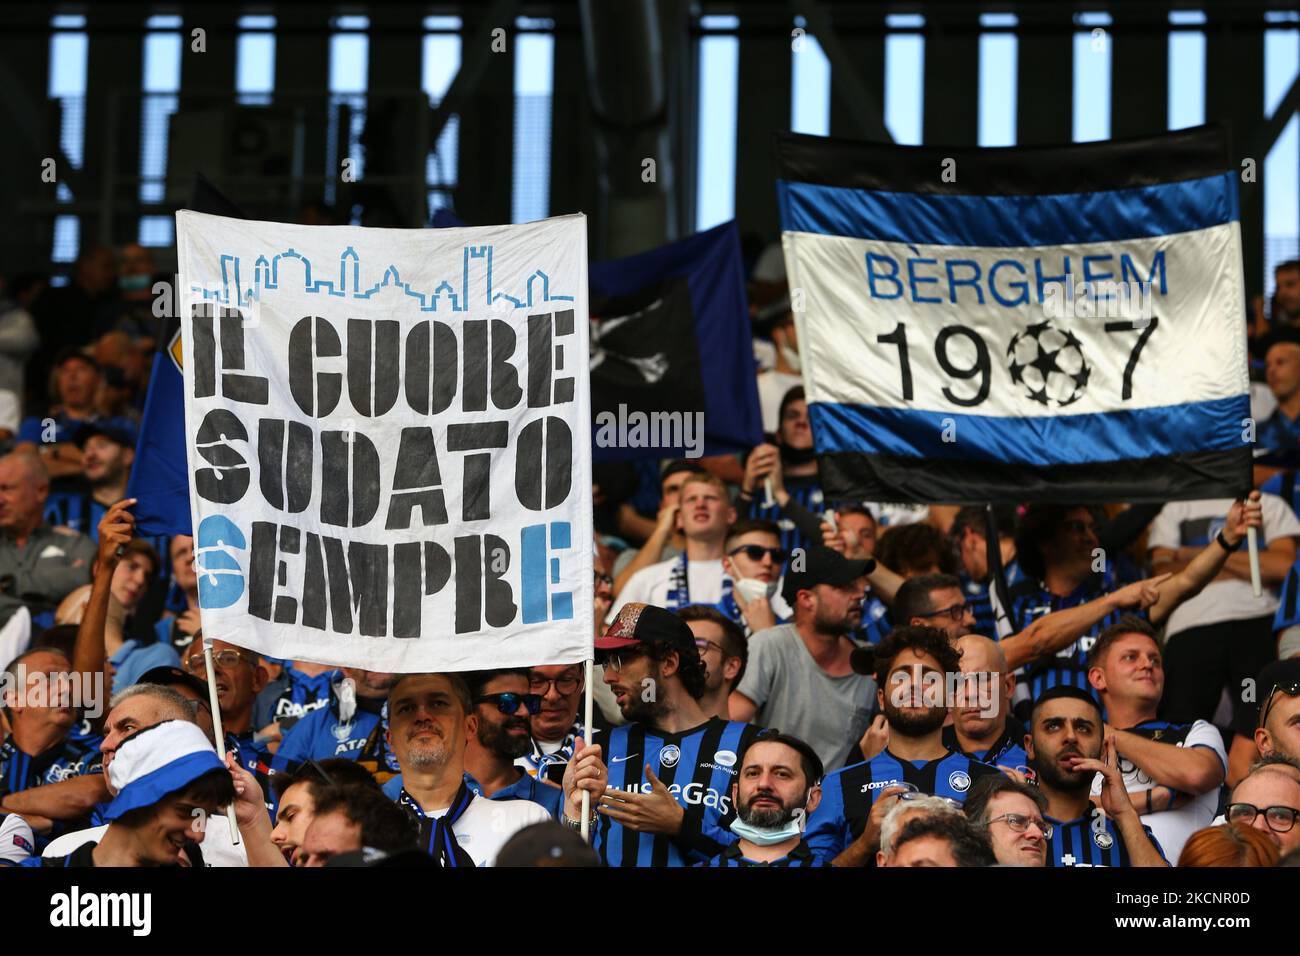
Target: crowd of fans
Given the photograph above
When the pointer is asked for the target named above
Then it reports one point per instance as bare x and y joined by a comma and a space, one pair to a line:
780, 680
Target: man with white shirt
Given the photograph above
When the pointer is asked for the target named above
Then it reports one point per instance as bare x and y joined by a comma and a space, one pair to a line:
1223, 635
695, 576
1172, 771
427, 716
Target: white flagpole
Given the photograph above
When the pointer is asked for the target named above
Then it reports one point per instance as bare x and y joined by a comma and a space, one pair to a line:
1252, 546
588, 670
217, 732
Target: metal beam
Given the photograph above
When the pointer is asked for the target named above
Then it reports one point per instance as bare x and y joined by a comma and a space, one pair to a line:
1267, 133
29, 124
472, 67
863, 103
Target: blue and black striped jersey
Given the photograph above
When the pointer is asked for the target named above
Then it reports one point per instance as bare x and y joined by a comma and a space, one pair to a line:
981, 602
1007, 751
806, 491
876, 622
799, 856
1031, 600
698, 766
1091, 840
848, 794
72, 504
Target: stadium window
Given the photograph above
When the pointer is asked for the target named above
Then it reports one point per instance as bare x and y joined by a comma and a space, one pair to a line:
67, 85
1281, 172
1091, 77
534, 83
1186, 70
255, 60
349, 64
905, 77
162, 82
719, 79
442, 47
998, 62
810, 85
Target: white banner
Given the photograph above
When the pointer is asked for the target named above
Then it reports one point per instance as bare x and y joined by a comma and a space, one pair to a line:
388, 434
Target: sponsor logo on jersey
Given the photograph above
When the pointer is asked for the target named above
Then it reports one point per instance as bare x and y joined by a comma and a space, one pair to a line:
692, 795
879, 785
725, 757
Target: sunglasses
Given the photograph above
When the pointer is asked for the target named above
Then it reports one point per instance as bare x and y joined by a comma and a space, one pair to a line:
1019, 823
508, 702
1291, 690
755, 552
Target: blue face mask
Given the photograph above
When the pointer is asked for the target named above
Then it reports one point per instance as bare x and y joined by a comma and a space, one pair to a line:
765, 836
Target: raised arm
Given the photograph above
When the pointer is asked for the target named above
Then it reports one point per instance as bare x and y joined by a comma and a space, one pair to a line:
1206, 565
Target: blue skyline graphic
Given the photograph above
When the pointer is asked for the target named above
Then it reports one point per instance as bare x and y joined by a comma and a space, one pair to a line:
270, 273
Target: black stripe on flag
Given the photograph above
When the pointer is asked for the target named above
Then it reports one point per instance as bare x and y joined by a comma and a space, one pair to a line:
866, 477
1194, 153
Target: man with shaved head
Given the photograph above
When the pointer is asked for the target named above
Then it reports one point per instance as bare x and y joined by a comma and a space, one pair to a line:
39, 564
982, 725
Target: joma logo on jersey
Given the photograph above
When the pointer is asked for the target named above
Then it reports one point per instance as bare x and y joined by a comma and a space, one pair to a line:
879, 785
693, 795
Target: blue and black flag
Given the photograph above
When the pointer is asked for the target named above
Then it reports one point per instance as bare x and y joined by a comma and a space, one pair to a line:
1046, 323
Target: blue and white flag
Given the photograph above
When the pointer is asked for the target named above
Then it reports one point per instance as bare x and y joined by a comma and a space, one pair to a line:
1020, 324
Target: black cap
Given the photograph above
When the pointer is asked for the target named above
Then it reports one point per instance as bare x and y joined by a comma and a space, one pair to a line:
114, 429
71, 352
644, 624
546, 844
1276, 674
173, 677
821, 565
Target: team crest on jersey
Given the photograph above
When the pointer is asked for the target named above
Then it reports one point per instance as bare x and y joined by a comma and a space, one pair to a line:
342, 732
1103, 839
959, 780
669, 756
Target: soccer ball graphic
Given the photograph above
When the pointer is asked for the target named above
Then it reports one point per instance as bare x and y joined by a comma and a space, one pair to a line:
1048, 364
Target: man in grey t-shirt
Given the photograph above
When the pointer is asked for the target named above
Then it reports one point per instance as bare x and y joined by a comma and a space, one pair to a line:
799, 679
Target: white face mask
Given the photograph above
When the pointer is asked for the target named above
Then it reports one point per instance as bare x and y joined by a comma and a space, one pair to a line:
751, 589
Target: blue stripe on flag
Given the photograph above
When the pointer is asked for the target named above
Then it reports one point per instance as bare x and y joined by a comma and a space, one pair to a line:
1051, 440
998, 221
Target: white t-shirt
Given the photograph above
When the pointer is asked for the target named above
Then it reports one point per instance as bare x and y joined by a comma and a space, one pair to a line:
486, 825
16, 840
216, 846
1195, 524
772, 386
651, 585
1172, 828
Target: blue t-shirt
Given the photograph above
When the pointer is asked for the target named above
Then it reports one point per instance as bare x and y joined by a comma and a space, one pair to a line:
1091, 840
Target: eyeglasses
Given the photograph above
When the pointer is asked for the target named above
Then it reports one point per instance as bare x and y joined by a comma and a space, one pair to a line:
564, 686
954, 611
1290, 690
508, 702
1279, 819
226, 659
615, 660
755, 552
1019, 823
704, 646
